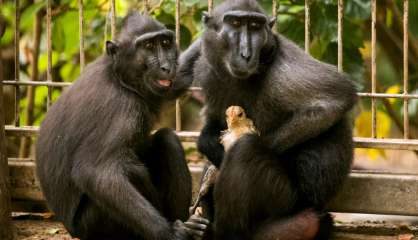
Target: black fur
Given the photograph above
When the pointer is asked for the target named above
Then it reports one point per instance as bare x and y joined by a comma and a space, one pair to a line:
298, 104
102, 172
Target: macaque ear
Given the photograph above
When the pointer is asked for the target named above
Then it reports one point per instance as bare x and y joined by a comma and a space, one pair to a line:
205, 18
111, 48
272, 21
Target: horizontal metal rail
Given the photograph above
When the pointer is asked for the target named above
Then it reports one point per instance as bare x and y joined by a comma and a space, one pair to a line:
56, 84
67, 84
388, 143
386, 95
33, 83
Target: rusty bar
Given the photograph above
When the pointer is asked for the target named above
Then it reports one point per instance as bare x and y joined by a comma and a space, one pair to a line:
373, 67
385, 95
178, 115
178, 106
22, 131
59, 84
186, 136
396, 144
274, 7
178, 23
33, 83
307, 25
81, 33
17, 63
67, 84
340, 34
49, 50
210, 6
405, 68
113, 18
388, 143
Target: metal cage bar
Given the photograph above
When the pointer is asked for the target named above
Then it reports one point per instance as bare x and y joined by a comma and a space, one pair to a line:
340, 34
387, 95
17, 63
67, 84
178, 38
307, 25
81, 34
405, 68
49, 50
37, 84
274, 8
210, 6
373, 67
388, 143
113, 18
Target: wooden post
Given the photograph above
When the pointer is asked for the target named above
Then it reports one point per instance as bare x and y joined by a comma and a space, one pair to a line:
5, 205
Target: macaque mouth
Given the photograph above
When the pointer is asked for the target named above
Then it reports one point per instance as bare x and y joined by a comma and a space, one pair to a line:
164, 82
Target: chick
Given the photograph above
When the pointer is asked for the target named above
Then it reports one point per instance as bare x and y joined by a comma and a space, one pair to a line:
238, 125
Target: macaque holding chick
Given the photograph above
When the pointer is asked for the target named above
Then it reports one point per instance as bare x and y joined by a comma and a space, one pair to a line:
238, 125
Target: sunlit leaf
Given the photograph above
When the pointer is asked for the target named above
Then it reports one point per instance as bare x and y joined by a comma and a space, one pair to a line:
394, 89
363, 128
43, 61
27, 17
363, 124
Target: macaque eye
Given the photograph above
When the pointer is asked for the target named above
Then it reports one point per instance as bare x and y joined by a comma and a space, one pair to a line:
166, 42
148, 45
236, 23
255, 25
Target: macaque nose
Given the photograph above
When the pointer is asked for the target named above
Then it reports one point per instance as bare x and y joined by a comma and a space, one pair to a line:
165, 68
246, 56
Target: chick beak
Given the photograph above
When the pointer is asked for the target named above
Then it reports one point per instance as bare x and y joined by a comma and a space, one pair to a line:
234, 117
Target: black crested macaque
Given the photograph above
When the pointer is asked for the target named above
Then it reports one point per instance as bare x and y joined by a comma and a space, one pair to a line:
272, 186
102, 172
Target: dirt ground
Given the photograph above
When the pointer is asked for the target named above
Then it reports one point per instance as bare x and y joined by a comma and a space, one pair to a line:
40, 230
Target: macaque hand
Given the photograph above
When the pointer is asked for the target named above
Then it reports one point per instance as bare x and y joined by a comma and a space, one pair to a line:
196, 226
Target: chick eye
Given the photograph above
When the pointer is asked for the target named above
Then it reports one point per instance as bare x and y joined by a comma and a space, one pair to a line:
240, 115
